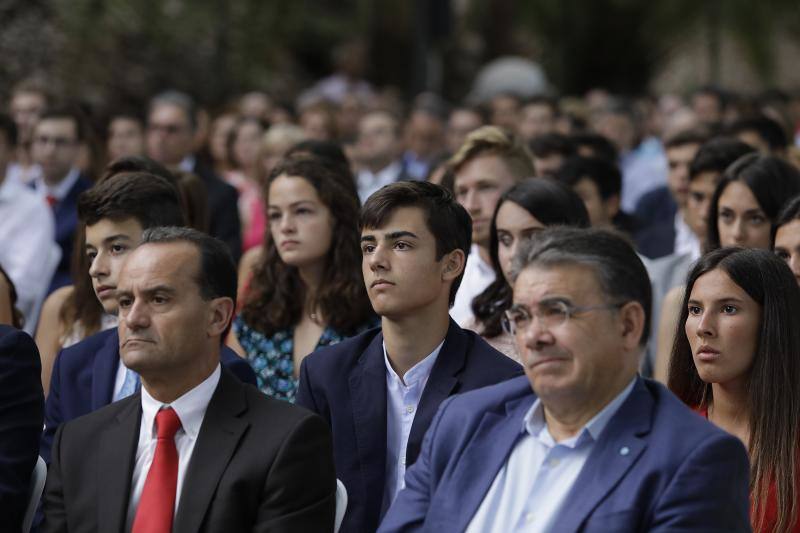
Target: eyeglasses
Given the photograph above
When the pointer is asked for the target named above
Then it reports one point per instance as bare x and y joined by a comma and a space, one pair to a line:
551, 314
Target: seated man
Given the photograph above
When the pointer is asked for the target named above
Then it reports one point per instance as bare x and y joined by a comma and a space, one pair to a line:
582, 443
21, 414
380, 390
197, 450
88, 375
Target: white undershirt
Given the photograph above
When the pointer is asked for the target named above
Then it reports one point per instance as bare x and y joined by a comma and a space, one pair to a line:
190, 408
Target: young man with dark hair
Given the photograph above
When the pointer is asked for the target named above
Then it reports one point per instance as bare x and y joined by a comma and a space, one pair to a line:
380, 390
549, 153
762, 133
538, 117
88, 375
55, 147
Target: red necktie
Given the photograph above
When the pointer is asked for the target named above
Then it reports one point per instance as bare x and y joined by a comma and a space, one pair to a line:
157, 503
51, 200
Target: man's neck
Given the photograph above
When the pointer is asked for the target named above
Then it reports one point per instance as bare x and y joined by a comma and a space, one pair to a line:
379, 166
483, 253
166, 387
411, 339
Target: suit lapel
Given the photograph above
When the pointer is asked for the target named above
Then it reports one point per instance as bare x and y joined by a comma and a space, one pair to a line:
441, 383
368, 393
619, 446
483, 457
116, 457
104, 373
219, 436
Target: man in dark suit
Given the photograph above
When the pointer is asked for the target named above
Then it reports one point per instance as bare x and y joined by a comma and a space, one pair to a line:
380, 390
171, 126
195, 450
55, 145
21, 413
582, 443
88, 375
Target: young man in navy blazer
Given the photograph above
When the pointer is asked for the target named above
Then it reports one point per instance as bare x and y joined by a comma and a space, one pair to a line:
581, 443
89, 375
380, 390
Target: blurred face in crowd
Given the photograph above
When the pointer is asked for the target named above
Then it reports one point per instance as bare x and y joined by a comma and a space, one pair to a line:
707, 108
722, 327
479, 183
55, 147
247, 143
514, 225
167, 331
255, 105
125, 138
787, 245
582, 359
537, 119
504, 111
300, 223
317, 124
460, 124
26, 107
698, 202
169, 134
221, 130
423, 135
108, 243
378, 143
619, 129
678, 159
601, 210
400, 269
548, 165
740, 219
752, 138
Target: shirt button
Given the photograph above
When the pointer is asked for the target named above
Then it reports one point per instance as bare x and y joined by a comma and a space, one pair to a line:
409, 409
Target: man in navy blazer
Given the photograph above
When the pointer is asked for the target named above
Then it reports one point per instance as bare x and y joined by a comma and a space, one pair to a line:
380, 390
582, 443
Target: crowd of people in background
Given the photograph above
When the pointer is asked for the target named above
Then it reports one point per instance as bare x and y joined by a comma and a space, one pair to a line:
395, 268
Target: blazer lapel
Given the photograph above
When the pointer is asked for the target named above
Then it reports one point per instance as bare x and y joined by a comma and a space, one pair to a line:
219, 436
441, 383
115, 459
617, 450
482, 459
368, 393
104, 373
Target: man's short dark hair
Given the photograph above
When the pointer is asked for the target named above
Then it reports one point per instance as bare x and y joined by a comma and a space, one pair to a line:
620, 272
69, 113
446, 219
606, 176
150, 199
9, 130
684, 137
716, 155
217, 276
177, 99
137, 163
552, 144
598, 144
770, 131
546, 101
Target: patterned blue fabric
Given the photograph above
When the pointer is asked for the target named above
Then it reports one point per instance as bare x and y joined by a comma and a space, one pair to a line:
272, 358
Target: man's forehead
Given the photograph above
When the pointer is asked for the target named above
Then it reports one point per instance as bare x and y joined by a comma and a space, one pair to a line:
403, 219
61, 125
106, 227
160, 260
573, 281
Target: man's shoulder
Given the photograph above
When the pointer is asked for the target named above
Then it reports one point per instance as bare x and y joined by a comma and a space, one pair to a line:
88, 347
474, 403
482, 353
342, 354
672, 417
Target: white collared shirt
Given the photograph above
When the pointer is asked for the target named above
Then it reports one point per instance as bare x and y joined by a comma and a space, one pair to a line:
191, 409
187, 163
369, 182
478, 274
531, 488
61, 189
686, 242
402, 399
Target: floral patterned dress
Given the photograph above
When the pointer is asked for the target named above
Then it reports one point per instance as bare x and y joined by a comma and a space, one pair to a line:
272, 358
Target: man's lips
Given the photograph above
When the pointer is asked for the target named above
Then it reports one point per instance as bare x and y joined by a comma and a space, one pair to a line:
541, 360
380, 283
135, 340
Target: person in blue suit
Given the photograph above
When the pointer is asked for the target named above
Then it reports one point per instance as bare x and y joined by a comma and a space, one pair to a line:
581, 443
88, 375
379, 391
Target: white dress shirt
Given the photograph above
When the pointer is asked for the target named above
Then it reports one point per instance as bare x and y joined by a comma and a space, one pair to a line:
686, 242
27, 234
402, 399
529, 490
191, 409
478, 274
369, 182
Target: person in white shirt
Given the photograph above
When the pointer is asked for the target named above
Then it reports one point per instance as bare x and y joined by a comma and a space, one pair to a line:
378, 151
489, 162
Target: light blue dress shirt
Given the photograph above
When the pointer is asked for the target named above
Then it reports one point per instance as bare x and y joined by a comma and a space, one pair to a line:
402, 399
530, 489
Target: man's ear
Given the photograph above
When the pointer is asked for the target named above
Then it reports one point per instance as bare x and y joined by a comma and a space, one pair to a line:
612, 205
632, 319
220, 315
453, 264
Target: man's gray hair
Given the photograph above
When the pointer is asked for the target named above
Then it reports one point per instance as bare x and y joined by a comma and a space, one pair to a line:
619, 271
178, 99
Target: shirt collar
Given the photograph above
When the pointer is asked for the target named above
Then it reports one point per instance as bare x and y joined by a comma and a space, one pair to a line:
60, 190
484, 268
534, 422
419, 373
190, 408
187, 163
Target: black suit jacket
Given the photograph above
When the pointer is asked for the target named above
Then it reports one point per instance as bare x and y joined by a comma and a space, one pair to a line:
258, 465
21, 416
346, 385
223, 209
65, 213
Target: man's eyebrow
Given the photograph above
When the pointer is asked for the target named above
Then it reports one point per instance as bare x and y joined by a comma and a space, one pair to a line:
368, 238
398, 234
117, 237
